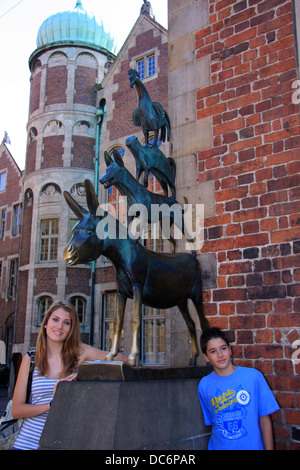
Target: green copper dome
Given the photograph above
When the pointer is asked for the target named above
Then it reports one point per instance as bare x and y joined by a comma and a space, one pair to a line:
74, 26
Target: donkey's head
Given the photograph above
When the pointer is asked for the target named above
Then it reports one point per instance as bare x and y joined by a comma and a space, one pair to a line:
84, 245
114, 169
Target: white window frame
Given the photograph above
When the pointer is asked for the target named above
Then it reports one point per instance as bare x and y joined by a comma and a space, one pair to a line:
51, 238
80, 309
145, 59
12, 277
16, 219
3, 217
3, 178
47, 300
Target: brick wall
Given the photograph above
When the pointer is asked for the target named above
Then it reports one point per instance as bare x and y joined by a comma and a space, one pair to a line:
78, 280
254, 163
85, 80
53, 151
83, 152
45, 280
57, 78
9, 245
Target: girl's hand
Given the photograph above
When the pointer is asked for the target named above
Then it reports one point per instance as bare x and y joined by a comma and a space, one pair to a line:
70, 378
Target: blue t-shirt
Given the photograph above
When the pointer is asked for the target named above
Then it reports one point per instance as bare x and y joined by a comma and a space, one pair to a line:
233, 404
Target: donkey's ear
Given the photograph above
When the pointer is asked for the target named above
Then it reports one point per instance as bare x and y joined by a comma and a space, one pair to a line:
117, 158
78, 210
107, 158
91, 197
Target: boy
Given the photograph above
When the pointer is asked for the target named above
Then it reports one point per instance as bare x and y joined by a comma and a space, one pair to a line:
235, 400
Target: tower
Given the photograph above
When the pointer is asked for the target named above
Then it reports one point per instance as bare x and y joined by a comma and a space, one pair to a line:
73, 53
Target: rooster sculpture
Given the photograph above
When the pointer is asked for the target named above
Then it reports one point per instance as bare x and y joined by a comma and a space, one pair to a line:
149, 115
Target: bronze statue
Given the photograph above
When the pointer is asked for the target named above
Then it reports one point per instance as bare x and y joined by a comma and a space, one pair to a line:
154, 279
137, 195
149, 115
151, 159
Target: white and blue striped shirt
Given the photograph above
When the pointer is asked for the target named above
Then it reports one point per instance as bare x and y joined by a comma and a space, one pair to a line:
32, 428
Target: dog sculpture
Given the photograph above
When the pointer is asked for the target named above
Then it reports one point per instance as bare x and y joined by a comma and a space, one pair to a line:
138, 196
154, 279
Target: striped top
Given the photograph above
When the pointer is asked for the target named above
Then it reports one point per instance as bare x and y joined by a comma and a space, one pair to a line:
32, 428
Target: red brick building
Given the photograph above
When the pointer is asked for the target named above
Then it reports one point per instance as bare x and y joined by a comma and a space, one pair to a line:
247, 115
10, 224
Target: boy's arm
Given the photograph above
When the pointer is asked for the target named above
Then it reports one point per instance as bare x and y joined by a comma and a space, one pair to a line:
267, 432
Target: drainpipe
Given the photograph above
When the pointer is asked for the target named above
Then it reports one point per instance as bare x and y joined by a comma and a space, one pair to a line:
100, 117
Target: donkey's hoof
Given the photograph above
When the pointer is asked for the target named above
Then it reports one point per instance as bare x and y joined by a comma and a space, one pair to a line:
109, 357
131, 361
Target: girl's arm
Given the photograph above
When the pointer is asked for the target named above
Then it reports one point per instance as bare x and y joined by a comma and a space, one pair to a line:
90, 353
267, 432
21, 409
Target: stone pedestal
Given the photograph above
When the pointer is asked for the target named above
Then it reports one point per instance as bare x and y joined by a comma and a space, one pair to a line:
117, 407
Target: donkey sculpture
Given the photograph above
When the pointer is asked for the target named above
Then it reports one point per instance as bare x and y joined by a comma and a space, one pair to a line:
154, 207
151, 159
153, 279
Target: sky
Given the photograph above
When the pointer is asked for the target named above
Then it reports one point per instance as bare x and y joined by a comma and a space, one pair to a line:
19, 24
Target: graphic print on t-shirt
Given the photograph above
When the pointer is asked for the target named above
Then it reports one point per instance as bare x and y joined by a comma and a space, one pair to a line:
231, 410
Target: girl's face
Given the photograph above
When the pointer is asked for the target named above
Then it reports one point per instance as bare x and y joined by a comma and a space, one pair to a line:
58, 325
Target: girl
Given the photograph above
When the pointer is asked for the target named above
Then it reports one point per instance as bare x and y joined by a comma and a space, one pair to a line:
59, 351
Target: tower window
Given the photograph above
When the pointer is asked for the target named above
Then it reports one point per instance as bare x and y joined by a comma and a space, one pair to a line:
49, 240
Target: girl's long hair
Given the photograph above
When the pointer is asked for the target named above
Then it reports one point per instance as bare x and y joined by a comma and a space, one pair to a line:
71, 347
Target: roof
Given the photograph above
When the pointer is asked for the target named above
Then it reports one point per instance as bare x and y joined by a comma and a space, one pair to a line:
76, 26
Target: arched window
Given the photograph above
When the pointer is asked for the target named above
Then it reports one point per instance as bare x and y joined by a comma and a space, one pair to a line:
43, 304
80, 306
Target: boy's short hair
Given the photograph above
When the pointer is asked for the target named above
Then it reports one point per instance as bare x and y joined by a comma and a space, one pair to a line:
211, 333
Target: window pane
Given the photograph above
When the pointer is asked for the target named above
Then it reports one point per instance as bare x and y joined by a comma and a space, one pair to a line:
44, 249
151, 65
109, 307
2, 181
53, 249
141, 68
3, 219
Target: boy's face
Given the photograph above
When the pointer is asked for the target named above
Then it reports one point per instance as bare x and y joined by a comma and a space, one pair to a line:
218, 353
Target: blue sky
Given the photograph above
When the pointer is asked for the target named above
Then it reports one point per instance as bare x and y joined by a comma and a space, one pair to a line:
19, 24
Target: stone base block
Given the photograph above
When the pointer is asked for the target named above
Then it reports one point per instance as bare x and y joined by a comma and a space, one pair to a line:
127, 408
